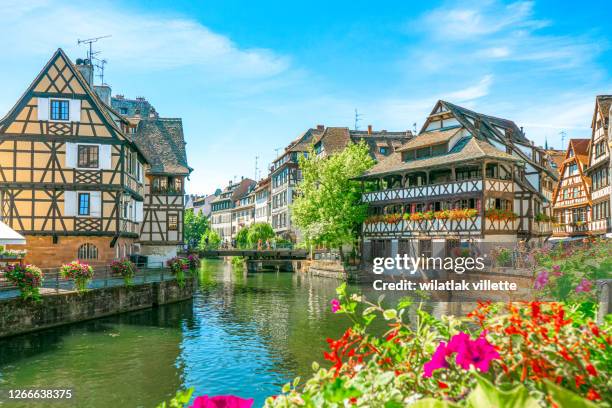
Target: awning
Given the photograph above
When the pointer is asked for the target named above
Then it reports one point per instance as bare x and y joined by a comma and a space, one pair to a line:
10, 236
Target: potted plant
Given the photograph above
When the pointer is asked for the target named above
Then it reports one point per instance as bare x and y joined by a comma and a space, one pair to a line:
428, 215
417, 216
81, 273
124, 268
28, 279
178, 267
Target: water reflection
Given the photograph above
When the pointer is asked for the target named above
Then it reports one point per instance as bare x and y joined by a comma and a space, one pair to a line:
242, 334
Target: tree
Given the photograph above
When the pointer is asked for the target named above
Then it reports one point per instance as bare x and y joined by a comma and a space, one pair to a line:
210, 239
327, 209
241, 238
195, 227
260, 231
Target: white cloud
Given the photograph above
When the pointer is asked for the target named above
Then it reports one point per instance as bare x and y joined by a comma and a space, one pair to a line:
473, 92
139, 40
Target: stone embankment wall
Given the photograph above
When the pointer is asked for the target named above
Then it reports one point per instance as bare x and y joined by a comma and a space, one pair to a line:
18, 316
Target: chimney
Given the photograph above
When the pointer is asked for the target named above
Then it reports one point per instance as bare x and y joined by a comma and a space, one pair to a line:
321, 127
369, 129
104, 93
86, 69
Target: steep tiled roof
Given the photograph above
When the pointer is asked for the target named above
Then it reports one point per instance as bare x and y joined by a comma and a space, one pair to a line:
604, 102
429, 138
581, 149
472, 150
163, 143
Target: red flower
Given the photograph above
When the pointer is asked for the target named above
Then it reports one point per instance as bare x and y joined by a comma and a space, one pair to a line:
593, 395
591, 370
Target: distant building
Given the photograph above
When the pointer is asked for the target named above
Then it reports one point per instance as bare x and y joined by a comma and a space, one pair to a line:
285, 173
572, 196
200, 204
222, 219
262, 201
599, 167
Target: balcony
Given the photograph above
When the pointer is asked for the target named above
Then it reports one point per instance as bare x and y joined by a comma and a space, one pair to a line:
440, 227
600, 226
427, 191
570, 229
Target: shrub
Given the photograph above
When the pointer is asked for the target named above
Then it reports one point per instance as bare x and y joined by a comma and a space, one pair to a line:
80, 273
124, 268
28, 279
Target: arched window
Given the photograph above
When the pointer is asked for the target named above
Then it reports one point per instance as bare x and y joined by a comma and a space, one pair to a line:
88, 251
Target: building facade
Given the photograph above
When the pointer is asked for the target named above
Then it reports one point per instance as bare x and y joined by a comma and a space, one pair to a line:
233, 209
262, 201
285, 173
466, 177
572, 196
71, 175
599, 167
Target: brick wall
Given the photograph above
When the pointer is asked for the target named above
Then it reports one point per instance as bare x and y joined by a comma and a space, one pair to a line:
43, 253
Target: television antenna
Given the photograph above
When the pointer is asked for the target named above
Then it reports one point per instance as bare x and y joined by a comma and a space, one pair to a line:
90, 41
357, 118
256, 167
100, 66
562, 134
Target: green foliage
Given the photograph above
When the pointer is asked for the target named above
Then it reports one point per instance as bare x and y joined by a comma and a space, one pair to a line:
196, 226
260, 231
180, 400
566, 398
327, 209
242, 238
214, 240
238, 262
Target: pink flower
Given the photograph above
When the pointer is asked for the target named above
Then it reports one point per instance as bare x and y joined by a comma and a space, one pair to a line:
556, 270
478, 353
541, 280
222, 401
335, 305
438, 360
584, 286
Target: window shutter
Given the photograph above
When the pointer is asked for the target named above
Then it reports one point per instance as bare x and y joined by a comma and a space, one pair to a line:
75, 110
139, 211
43, 108
70, 203
95, 203
105, 157
71, 155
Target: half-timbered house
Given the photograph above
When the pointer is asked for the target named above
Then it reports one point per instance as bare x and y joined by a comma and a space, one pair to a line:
572, 196
71, 176
223, 219
599, 167
460, 160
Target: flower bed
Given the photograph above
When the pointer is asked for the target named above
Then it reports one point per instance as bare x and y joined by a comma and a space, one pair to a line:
568, 272
515, 355
28, 279
124, 268
81, 273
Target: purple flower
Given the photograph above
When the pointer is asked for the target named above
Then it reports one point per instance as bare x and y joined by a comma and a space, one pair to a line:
335, 305
438, 360
222, 401
541, 280
584, 286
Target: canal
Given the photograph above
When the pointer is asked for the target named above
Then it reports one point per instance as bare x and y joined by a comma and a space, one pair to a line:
242, 334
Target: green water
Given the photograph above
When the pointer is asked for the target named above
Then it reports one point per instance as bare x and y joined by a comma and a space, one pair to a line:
242, 335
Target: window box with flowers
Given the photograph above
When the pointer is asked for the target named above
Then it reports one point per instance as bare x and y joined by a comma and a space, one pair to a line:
12, 253
178, 267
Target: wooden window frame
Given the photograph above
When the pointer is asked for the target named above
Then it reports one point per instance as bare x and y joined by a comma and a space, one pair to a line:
85, 151
80, 214
61, 112
173, 226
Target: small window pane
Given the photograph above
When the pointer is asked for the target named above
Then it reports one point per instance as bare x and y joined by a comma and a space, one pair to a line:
59, 109
83, 203
88, 156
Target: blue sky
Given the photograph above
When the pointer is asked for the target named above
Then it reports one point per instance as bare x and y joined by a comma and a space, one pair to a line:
248, 77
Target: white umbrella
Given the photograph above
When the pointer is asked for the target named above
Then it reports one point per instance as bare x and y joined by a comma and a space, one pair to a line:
10, 236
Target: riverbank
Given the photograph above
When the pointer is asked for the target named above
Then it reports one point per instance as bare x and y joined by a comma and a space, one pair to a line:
18, 316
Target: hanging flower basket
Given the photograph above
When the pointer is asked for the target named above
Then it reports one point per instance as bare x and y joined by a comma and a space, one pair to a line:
81, 273
178, 267
124, 268
28, 279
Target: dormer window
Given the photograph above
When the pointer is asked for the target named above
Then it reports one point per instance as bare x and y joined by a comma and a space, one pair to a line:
60, 109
